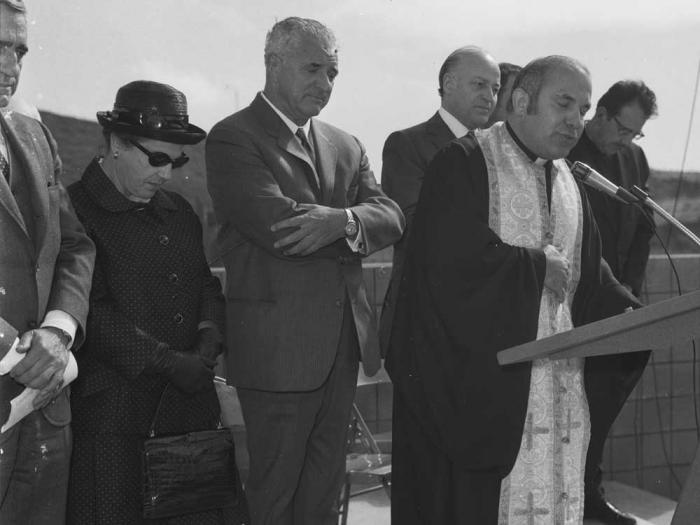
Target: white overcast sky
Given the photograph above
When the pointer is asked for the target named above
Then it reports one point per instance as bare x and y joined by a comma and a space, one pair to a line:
81, 51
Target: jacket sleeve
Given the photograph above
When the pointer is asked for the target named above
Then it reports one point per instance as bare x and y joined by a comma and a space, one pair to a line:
381, 219
402, 173
113, 339
72, 277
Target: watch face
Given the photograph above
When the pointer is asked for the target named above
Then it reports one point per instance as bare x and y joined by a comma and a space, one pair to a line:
351, 229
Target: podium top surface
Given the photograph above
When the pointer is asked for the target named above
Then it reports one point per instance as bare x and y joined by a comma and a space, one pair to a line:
656, 326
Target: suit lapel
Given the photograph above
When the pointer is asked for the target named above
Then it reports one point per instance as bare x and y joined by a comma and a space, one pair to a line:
286, 140
327, 156
22, 146
6, 198
439, 133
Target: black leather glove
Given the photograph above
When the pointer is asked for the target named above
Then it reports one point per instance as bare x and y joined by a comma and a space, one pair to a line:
190, 372
209, 342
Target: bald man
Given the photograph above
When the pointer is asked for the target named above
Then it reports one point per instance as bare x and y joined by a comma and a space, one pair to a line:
468, 82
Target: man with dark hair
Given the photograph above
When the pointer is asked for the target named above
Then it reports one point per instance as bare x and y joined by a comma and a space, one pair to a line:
508, 73
467, 84
607, 145
299, 207
504, 250
46, 262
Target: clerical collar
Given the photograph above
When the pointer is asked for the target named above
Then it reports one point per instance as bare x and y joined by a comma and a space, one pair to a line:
456, 127
527, 151
287, 121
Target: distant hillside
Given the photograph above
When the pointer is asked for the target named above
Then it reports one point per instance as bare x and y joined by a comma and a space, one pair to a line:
80, 140
681, 198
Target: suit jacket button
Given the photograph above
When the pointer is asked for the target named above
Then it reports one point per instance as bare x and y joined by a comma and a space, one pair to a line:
178, 318
173, 278
164, 240
339, 303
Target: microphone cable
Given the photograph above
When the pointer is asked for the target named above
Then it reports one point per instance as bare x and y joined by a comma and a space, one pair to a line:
649, 218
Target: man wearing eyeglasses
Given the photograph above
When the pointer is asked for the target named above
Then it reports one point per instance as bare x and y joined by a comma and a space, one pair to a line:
608, 146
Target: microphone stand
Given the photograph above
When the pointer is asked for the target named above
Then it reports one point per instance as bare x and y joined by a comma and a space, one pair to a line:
649, 203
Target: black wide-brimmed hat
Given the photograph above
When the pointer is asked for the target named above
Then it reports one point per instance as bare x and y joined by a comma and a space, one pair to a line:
153, 110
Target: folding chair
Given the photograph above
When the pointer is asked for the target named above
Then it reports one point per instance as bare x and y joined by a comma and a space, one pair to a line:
365, 464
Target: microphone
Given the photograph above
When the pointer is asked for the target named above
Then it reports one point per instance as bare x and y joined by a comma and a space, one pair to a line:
592, 178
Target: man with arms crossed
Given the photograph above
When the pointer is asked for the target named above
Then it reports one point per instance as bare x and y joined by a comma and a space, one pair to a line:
298, 207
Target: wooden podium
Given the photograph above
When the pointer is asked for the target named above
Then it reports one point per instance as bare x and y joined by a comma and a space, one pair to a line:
654, 327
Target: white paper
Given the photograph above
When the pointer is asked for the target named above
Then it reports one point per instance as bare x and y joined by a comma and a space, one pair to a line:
23, 404
12, 357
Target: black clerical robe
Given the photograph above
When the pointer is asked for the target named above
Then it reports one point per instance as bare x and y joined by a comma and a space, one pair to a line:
466, 295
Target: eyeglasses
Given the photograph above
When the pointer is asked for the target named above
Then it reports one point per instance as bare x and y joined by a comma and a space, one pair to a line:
158, 159
624, 131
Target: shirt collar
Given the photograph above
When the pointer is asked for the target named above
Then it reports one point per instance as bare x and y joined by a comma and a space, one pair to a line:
456, 127
287, 121
105, 194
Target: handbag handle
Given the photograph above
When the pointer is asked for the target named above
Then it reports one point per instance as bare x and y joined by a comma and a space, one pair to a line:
152, 429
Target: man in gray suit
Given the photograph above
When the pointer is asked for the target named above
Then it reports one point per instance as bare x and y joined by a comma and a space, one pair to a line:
298, 207
468, 83
46, 265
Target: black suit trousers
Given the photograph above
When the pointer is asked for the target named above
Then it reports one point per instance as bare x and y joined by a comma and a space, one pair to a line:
296, 443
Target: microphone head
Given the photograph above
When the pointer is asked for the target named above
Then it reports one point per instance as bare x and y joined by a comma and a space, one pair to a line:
581, 171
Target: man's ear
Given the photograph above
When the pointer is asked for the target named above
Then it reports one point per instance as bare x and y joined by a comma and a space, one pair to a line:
521, 101
448, 82
601, 113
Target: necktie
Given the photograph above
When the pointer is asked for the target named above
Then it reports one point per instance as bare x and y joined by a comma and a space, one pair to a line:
4, 167
307, 146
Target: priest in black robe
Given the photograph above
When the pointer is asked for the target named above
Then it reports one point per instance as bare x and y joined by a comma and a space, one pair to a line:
459, 417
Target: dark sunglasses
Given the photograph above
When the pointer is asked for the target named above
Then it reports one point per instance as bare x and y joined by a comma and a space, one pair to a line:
158, 159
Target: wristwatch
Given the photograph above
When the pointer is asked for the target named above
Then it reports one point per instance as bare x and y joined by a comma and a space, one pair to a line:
351, 225
64, 336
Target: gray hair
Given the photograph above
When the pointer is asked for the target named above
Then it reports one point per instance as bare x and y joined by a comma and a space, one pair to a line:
533, 75
285, 33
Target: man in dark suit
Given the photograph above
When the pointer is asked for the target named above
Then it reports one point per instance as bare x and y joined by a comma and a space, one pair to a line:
45, 274
467, 83
607, 146
298, 207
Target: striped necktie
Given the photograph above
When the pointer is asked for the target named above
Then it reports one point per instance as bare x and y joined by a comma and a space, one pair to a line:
4, 167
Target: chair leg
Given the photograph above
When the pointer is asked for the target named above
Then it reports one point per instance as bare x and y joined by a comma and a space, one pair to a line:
345, 501
386, 481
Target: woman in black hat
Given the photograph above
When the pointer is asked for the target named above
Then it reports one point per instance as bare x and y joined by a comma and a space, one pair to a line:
156, 311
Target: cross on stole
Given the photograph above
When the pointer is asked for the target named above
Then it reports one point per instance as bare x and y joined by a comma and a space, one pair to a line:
531, 511
569, 502
569, 426
530, 430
